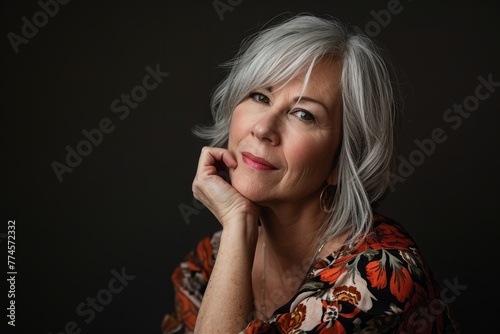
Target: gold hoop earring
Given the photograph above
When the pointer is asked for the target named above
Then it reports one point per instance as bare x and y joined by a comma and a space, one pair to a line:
326, 198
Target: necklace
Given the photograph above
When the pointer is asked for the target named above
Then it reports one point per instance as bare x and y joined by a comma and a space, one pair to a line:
263, 276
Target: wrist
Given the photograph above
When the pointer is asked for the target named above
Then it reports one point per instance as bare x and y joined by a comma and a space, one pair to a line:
241, 232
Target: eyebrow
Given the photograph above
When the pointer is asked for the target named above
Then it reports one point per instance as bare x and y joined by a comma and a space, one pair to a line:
303, 98
310, 99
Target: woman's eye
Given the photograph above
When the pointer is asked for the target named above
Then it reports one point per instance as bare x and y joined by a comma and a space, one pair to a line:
304, 115
259, 97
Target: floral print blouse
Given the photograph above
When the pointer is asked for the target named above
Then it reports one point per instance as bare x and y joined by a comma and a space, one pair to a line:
382, 285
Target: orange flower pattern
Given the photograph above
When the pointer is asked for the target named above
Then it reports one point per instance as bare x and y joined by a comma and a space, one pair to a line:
382, 285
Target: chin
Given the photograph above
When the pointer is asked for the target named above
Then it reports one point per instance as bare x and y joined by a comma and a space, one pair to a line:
250, 188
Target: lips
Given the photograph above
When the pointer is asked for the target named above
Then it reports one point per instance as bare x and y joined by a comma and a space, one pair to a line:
256, 162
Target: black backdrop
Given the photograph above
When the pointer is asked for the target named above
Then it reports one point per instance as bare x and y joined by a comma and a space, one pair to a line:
126, 207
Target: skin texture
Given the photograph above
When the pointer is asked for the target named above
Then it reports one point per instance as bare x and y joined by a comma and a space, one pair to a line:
299, 140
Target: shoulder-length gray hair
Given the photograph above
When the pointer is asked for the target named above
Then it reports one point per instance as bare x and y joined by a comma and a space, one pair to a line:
281, 52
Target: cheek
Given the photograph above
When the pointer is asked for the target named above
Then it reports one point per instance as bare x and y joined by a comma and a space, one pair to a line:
311, 154
236, 128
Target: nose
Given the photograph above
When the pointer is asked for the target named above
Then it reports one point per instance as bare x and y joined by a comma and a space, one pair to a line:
266, 128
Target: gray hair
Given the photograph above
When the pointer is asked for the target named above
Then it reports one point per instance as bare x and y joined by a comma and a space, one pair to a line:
280, 53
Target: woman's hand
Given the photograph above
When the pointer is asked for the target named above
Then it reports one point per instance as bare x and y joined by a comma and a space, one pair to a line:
217, 194
227, 302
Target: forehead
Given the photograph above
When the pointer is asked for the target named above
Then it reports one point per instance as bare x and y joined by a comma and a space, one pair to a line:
324, 78
323, 82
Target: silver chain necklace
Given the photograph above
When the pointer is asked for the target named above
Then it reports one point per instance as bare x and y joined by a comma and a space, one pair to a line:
263, 276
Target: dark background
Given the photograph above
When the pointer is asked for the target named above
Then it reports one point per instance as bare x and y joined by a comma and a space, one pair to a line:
119, 208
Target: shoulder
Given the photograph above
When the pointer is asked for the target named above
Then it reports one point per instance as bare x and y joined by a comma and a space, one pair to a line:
383, 282
390, 249
209, 245
197, 265
388, 263
387, 234
388, 242
190, 279
202, 257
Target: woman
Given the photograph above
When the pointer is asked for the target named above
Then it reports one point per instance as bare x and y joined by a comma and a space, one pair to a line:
303, 126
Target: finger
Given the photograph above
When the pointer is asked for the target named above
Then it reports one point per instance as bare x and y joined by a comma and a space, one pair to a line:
210, 156
228, 159
221, 154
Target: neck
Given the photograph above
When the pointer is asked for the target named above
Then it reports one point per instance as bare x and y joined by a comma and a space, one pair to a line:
287, 247
290, 233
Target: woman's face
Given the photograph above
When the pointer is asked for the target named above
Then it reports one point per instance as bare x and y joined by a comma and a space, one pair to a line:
285, 147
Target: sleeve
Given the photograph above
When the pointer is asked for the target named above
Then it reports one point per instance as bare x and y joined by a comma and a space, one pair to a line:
377, 291
190, 280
